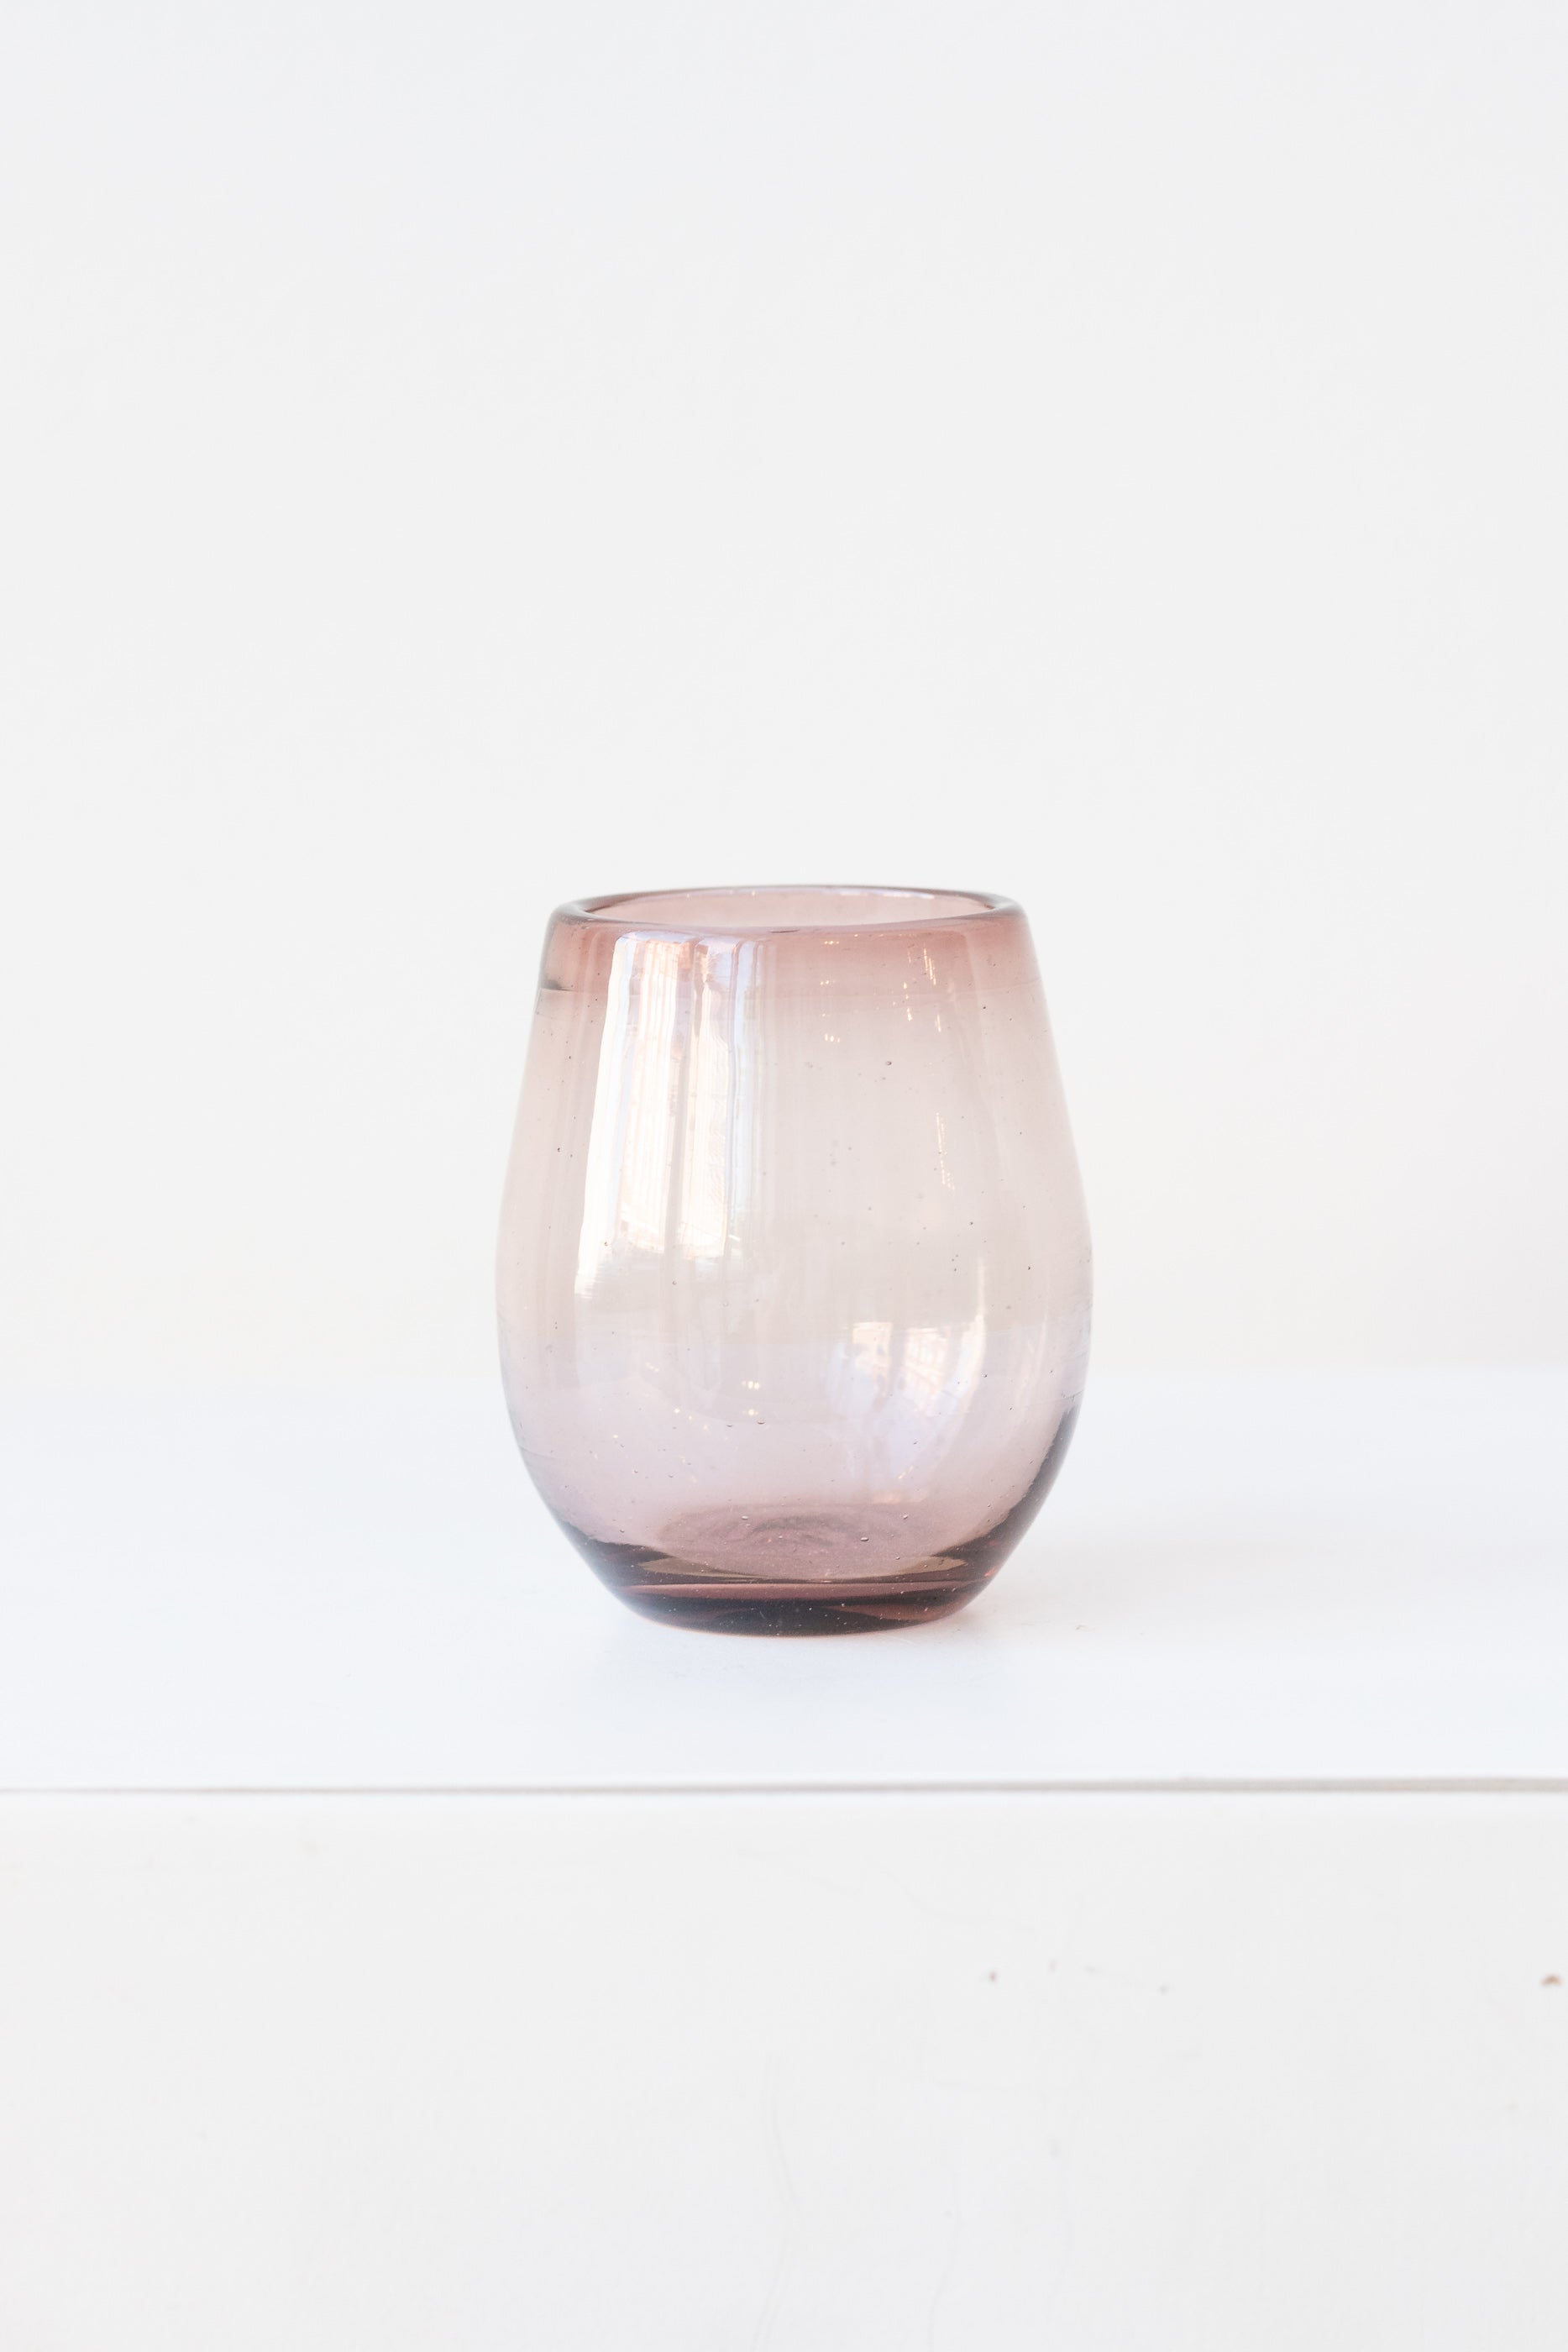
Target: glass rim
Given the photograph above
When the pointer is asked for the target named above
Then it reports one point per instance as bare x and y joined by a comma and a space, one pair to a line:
929, 908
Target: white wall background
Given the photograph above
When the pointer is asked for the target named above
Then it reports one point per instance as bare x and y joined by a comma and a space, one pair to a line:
457, 457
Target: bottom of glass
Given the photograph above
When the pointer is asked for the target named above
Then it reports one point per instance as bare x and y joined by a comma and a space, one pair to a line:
805, 1570
678, 1593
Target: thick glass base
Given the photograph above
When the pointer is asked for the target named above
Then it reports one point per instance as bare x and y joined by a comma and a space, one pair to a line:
804, 1570
679, 1592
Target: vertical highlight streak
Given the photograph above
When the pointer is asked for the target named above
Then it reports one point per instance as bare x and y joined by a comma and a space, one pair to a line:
627, 1180
704, 1174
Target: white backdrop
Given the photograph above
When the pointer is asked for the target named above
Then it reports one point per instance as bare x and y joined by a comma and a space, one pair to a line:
458, 456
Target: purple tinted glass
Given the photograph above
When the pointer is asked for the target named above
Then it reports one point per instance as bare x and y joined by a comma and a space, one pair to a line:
794, 1268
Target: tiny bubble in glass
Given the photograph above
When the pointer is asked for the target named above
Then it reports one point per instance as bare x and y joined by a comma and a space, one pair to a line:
794, 1269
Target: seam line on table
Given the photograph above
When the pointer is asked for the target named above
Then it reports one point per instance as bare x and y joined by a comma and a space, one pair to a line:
1502, 1786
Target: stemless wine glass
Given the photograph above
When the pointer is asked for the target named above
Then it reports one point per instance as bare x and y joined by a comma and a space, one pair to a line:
794, 1266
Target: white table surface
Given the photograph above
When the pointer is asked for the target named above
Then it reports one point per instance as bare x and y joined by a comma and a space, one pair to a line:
1263, 1581
966, 2052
